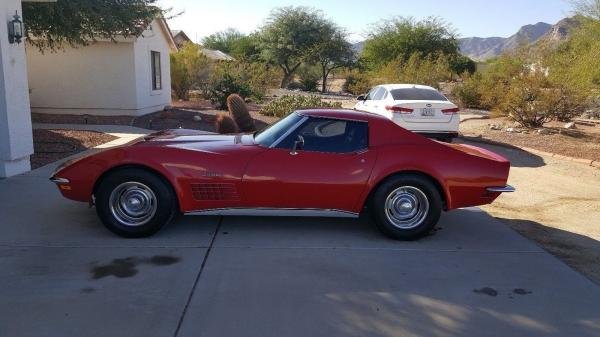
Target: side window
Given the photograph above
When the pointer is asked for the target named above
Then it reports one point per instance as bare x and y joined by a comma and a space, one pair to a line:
379, 94
156, 70
330, 135
371, 93
385, 94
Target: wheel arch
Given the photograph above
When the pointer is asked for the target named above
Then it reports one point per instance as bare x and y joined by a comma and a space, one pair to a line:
146, 168
422, 174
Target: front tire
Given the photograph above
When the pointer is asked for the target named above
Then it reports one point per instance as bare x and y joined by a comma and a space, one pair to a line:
135, 203
406, 207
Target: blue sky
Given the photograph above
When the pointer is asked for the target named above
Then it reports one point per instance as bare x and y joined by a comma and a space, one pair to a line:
469, 18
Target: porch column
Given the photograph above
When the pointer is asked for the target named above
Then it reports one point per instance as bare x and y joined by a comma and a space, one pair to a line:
16, 142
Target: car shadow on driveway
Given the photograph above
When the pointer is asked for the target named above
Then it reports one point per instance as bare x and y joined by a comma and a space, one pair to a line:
580, 252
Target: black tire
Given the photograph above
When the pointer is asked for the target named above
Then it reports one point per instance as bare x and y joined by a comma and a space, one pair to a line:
156, 196
406, 189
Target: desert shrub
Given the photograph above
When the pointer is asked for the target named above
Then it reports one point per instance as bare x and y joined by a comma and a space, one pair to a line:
309, 78
532, 101
189, 68
357, 83
294, 86
428, 70
468, 93
224, 84
289, 103
239, 111
247, 79
225, 124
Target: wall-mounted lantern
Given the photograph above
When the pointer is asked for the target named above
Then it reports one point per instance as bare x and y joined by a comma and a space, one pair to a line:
15, 29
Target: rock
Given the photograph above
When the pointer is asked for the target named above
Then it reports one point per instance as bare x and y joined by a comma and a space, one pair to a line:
544, 132
513, 130
495, 127
197, 118
570, 126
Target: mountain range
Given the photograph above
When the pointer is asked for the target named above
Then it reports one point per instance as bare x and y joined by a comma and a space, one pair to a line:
484, 48
481, 49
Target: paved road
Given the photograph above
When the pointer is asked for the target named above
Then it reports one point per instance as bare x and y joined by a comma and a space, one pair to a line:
62, 274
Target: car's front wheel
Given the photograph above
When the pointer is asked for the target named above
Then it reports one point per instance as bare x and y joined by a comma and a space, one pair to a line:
406, 207
135, 203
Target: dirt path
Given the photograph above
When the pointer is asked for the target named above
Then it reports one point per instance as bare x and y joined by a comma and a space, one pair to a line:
557, 204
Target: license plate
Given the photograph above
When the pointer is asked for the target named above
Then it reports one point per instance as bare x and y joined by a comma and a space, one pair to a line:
427, 112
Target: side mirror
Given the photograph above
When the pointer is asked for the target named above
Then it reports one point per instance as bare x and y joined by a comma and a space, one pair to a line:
361, 98
298, 145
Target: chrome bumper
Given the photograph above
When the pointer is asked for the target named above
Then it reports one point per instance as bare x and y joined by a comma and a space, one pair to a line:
59, 180
501, 189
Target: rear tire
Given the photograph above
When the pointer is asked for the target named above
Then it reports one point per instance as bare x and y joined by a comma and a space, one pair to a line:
135, 203
406, 207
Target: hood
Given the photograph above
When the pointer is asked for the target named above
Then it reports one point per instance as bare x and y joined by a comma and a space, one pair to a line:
196, 139
185, 135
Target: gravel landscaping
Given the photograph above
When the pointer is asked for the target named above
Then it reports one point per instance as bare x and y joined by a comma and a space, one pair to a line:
52, 145
582, 142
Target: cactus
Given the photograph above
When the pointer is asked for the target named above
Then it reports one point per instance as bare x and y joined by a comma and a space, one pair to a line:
239, 111
225, 124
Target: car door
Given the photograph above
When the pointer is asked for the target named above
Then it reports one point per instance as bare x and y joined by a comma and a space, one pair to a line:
329, 171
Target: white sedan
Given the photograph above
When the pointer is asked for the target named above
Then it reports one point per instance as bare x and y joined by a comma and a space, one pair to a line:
417, 108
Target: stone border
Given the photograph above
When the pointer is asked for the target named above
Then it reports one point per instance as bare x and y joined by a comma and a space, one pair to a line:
588, 162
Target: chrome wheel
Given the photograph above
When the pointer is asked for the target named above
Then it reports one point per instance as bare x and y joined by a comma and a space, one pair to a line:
406, 207
132, 203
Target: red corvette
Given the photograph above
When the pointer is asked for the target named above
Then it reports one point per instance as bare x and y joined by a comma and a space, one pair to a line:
311, 163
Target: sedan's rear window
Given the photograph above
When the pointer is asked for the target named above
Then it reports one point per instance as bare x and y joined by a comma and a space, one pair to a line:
417, 94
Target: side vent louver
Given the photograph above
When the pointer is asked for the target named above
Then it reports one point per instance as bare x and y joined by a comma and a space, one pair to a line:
203, 192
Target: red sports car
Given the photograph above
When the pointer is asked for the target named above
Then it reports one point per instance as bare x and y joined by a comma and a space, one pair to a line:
310, 163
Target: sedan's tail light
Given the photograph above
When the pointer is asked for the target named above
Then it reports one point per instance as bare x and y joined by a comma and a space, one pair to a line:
399, 109
452, 111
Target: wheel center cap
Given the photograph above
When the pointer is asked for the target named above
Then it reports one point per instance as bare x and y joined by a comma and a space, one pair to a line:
134, 203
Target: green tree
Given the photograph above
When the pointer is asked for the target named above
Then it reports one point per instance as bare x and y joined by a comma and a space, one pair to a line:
402, 37
79, 22
333, 53
290, 37
460, 64
189, 68
224, 41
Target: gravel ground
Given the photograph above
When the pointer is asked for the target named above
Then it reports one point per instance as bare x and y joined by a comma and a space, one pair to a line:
583, 142
52, 145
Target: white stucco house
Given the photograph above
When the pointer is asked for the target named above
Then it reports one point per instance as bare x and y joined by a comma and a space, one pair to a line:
128, 77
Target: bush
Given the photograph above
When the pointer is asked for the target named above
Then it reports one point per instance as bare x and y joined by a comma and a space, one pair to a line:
189, 68
309, 78
531, 101
290, 103
247, 79
225, 84
417, 69
357, 83
467, 93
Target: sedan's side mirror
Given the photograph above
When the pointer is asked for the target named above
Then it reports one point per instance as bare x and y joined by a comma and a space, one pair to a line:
361, 98
298, 145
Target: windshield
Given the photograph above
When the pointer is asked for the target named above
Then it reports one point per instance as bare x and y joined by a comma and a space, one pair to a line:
417, 94
269, 135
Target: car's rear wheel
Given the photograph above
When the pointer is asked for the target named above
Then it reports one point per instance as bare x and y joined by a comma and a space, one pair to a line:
135, 203
406, 207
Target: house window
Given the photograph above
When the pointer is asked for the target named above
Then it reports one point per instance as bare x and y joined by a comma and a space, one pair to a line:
156, 73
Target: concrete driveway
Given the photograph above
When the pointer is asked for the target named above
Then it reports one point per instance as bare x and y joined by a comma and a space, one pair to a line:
63, 274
